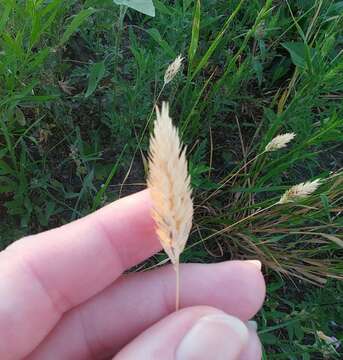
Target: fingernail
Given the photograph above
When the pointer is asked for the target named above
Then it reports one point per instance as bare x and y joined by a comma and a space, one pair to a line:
252, 324
215, 337
257, 263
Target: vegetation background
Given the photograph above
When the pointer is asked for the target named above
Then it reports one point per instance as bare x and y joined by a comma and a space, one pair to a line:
79, 80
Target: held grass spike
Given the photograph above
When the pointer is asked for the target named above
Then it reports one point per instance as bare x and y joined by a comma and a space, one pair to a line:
169, 185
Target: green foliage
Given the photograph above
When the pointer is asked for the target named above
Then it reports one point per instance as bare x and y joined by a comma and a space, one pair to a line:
78, 83
144, 6
75, 24
301, 54
291, 323
195, 33
96, 73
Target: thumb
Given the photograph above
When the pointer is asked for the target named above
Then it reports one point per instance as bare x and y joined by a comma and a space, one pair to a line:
193, 333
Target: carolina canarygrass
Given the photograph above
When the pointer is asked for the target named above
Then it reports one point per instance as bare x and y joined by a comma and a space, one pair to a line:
169, 185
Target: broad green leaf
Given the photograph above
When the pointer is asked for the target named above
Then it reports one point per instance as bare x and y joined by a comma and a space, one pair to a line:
20, 117
97, 72
144, 6
269, 339
299, 53
75, 24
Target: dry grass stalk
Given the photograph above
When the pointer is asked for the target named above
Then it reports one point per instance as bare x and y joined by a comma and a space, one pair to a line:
169, 75
169, 185
300, 191
279, 142
172, 70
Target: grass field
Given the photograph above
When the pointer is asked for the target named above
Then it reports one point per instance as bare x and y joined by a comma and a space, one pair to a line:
78, 83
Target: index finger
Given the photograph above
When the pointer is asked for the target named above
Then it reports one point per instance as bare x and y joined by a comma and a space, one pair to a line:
43, 276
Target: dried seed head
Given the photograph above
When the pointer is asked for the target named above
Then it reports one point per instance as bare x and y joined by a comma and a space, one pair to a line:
172, 70
169, 185
279, 142
300, 191
330, 340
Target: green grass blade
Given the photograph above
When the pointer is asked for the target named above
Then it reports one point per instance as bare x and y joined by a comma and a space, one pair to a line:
195, 35
101, 192
216, 41
75, 24
97, 72
8, 6
155, 34
262, 14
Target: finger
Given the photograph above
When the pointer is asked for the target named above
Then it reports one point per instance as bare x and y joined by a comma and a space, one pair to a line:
43, 276
106, 323
253, 349
199, 333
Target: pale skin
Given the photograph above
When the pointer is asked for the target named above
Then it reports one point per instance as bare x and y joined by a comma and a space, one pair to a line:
63, 295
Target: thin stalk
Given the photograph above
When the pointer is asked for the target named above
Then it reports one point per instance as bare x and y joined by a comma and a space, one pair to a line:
231, 177
231, 226
120, 23
141, 139
262, 14
9, 145
177, 286
151, 114
188, 119
148, 122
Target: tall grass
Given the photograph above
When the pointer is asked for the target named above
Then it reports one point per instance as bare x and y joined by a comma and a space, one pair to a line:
76, 97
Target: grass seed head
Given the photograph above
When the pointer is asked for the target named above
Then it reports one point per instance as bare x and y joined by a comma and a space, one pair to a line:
172, 70
279, 142
169, 185
300, 191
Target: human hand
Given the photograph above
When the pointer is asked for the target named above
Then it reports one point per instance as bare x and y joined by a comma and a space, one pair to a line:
63, 296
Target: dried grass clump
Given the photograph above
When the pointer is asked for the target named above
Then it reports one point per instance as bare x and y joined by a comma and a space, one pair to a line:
279, 142
300, 191
169, 185
172, 70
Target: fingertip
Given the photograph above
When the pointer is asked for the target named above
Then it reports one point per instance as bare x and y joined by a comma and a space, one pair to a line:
246, 287
199, 332
258, 285
256, 263
253, 348
215, 336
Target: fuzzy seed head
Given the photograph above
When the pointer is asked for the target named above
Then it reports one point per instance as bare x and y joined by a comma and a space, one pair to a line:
279, 142
300, 191
172, 70
169, 185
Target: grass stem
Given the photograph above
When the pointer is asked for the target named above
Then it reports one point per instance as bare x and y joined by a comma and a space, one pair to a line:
177, 287
231, 177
